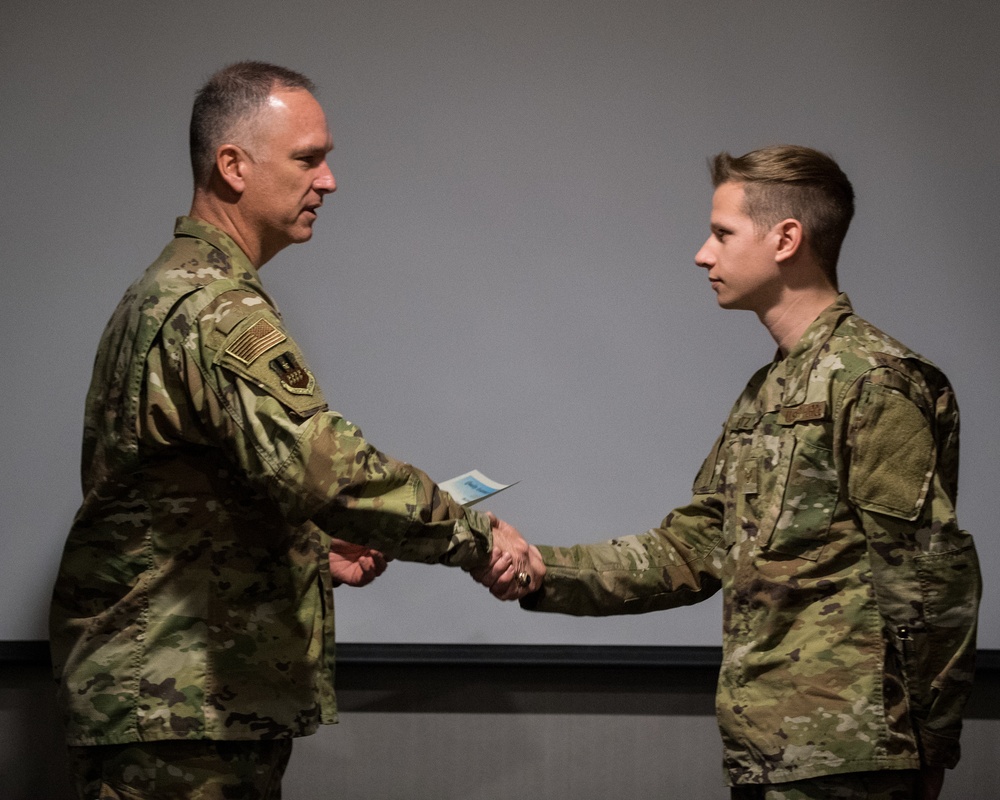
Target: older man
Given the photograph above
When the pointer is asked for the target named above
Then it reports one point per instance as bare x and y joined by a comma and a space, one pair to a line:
192, 625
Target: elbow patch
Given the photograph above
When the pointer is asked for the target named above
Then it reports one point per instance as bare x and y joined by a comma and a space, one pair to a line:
893, 454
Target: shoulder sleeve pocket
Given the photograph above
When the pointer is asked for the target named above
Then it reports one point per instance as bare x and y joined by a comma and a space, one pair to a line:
260, 351
893, 453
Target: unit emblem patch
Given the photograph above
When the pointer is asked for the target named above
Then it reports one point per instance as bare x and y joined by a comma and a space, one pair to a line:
294, 378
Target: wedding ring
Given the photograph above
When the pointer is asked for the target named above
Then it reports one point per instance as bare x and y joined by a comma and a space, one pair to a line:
523, 579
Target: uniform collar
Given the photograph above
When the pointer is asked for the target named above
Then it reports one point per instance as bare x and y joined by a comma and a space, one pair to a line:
219, 239
797, 365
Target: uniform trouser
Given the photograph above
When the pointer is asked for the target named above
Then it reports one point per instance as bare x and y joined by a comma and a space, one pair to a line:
901, 784
200, 769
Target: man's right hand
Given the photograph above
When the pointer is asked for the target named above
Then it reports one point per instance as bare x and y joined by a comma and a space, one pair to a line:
515, 569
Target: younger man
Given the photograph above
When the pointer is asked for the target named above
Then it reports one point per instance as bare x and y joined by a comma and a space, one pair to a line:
825, 512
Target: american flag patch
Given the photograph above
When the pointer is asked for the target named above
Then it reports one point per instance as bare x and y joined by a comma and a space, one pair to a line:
254, 341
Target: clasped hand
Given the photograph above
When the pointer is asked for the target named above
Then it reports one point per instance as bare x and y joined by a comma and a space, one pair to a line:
515, 569
354, 564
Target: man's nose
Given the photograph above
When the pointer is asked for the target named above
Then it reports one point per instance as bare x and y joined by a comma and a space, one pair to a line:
325, 182
704, 257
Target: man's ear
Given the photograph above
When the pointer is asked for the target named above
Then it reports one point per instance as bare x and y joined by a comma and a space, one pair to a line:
789, 239
232, 161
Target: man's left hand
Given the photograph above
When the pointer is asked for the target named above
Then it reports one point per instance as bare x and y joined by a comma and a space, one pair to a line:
354, 564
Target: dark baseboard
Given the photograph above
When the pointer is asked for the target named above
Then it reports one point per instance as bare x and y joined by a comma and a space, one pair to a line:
37, 652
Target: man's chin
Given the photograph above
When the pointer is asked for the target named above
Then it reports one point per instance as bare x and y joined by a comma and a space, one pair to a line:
730, 300
301, 233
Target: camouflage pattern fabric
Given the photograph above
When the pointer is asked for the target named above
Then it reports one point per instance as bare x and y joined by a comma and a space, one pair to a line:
826, 514
181, 770
194, 597
884, 785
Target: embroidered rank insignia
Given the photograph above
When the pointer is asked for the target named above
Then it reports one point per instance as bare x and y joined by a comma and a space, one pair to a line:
255, 341
296, 379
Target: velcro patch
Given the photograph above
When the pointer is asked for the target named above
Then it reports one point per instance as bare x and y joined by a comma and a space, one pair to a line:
893, 454
255, 341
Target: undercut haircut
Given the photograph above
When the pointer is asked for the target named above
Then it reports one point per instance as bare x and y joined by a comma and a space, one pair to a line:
790, 181
227, 107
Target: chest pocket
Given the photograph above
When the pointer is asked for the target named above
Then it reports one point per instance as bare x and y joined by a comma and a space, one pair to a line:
796, 521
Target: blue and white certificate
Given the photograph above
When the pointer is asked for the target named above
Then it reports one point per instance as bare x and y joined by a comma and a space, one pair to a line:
470, 488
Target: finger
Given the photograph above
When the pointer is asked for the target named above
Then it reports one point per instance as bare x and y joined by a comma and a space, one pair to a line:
523, 584
490, 574
500, 560
507, 538
503, 585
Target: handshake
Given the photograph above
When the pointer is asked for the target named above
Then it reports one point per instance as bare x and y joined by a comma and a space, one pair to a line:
515, 568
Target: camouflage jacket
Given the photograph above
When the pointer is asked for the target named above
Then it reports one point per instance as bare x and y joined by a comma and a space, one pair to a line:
194, 597
826, 514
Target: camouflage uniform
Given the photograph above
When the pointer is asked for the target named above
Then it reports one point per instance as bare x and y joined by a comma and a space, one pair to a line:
181, 769
194, 595
897, 784
826, 514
